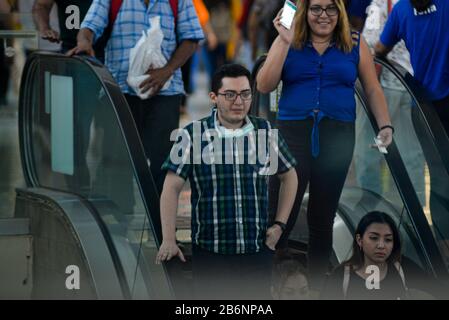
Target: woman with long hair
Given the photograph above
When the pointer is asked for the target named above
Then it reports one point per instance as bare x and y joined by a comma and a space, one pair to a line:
318, 61
374, 270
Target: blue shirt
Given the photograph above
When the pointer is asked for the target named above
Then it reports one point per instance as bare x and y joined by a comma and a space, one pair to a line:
318, 86
358, 8
133, 18
426, 38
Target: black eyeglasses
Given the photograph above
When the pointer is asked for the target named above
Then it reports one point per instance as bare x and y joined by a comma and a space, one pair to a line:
318, 11
232, 95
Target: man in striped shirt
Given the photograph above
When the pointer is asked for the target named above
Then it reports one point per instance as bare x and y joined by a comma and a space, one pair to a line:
157, 116
227, 158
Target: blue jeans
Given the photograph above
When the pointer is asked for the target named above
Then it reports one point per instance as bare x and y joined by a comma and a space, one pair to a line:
155, 119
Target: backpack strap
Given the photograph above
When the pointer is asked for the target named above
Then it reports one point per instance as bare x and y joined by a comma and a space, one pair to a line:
390, 6
117, 4
398, 267
346, 276
174, 8
113, 11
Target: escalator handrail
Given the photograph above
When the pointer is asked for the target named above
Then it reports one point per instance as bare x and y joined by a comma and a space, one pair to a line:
404, 185
410, 199
77, 222
255, 102
128, 129
406, 190
125, 121
29, 171
424, 105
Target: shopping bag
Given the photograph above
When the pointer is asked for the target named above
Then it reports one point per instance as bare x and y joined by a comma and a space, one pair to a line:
145, 54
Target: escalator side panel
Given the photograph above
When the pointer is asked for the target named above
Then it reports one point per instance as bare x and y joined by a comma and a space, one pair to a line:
107, 169
65, 234
408, 209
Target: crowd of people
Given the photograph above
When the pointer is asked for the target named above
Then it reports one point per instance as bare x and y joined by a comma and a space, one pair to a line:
243, 212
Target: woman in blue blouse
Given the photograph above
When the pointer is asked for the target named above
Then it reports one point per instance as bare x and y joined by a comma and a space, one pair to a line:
318, 60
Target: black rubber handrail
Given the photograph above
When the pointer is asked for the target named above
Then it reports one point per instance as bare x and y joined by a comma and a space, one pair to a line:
433, 124
429, 248
129, 132
409, 197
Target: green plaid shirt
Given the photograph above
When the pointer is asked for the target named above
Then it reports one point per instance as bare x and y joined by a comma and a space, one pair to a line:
229, 191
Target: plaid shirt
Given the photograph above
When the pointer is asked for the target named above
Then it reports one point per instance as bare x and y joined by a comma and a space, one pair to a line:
229, 197
133, 18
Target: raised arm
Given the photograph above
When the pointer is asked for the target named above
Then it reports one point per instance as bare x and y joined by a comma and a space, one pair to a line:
374, 93
270, 74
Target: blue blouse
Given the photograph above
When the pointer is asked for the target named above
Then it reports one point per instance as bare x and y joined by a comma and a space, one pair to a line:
317, 86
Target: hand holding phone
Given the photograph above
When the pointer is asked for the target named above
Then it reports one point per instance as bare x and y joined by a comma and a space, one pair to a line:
288, 14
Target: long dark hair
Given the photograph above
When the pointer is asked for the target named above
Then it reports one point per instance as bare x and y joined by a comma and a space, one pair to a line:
357, 258
421, 5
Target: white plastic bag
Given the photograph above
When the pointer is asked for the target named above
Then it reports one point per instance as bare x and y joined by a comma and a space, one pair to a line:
147, 52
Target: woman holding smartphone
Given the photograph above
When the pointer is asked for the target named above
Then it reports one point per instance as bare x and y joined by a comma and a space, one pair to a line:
318, 60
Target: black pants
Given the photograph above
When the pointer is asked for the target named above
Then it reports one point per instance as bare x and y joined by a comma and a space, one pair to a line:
442, 108
186, 72
230, 277
325, 176
155, 119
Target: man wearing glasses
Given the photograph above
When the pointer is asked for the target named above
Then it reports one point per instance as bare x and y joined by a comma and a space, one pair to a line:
232, 242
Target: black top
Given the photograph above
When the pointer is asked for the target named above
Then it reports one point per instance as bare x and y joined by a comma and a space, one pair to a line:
391, 287
68, 36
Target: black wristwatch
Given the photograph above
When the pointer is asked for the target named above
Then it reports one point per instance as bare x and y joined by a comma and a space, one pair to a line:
387, 126
281, 224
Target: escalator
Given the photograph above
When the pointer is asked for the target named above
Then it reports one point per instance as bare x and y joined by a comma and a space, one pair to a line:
410, 183
90, 201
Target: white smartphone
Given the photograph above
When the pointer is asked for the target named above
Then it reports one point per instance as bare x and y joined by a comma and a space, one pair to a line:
378, 143
288, 13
